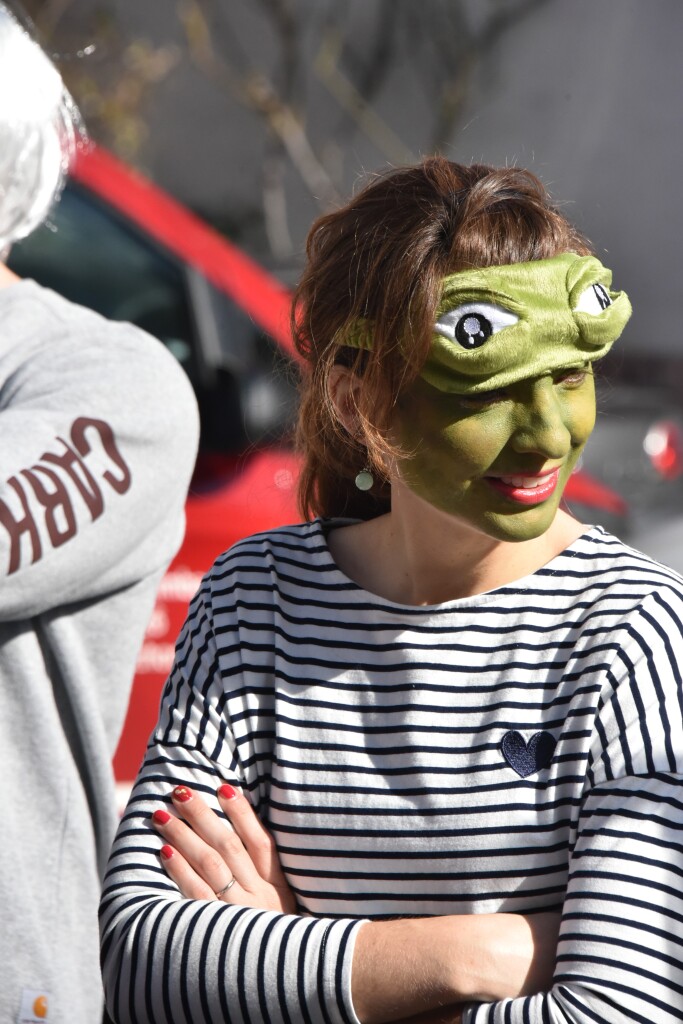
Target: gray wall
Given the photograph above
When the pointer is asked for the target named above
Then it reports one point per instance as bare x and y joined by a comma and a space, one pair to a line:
585, 92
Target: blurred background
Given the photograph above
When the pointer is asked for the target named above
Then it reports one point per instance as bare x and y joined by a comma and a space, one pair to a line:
258, 115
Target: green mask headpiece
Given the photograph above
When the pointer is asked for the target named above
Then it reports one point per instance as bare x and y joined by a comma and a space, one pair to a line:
498, 325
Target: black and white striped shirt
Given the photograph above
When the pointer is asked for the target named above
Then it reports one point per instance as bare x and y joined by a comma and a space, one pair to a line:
513, 751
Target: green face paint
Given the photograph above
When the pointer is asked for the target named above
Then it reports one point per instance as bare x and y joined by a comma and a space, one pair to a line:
506, 402
498, 461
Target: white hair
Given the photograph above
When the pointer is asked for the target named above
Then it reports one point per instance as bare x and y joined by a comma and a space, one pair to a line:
39, 131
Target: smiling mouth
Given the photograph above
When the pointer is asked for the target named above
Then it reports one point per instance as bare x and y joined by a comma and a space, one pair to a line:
526, 490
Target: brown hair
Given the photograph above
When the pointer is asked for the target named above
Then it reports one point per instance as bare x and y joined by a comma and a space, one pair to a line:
382, 257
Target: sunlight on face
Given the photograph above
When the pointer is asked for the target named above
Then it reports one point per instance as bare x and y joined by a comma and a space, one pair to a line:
499, 461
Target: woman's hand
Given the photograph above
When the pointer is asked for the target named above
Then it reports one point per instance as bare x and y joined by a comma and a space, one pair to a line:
422, 967
208, 860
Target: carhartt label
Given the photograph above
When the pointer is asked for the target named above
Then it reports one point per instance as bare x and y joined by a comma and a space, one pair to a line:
35, 1007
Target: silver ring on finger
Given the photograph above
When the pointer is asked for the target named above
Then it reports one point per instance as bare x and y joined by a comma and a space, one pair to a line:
226, 887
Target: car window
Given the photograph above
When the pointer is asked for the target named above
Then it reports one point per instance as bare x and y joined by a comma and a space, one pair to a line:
230, 345
92, 256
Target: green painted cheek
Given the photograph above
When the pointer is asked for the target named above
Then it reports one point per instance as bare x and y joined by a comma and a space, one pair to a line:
449, 448
453, 448
584, 417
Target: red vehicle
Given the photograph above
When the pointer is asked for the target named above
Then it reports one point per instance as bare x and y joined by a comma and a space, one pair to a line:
119, 244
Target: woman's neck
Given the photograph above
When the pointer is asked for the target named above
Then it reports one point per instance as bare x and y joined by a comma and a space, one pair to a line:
443, 559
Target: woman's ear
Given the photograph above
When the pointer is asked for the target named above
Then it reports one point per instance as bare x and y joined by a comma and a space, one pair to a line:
342, 388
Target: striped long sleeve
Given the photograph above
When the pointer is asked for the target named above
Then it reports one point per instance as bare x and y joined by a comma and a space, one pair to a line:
175, 960
516, 751
620, 955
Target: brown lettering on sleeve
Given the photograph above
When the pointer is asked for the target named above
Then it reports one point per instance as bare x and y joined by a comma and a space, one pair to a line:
87, 486
53, 501
82, 446
54, 497
16, 527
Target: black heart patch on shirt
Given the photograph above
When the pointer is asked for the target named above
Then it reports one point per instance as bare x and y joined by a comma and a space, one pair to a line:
527, 758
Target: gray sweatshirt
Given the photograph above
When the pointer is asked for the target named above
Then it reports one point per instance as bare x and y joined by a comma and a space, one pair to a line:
98, 434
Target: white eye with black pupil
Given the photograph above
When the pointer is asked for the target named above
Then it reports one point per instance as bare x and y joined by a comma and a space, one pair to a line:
472, 330
472, 324
593, 300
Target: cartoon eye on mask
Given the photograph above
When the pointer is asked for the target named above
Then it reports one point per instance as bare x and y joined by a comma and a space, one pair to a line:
593, 300
473, 323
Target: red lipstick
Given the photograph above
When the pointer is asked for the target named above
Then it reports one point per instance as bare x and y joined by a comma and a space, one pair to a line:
526, 488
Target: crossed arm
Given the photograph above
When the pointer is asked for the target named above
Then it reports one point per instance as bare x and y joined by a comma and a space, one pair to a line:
413, 970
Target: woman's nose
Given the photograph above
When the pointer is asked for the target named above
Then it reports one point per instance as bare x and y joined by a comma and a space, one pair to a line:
541, 427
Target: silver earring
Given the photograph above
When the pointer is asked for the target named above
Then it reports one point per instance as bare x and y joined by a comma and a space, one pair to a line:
364, 480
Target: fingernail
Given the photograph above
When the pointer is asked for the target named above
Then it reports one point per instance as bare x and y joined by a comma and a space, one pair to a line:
161, 817
227, 792
167, 852
182, 793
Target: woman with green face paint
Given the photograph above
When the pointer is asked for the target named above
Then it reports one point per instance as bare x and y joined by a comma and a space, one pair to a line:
495, 405
441, 718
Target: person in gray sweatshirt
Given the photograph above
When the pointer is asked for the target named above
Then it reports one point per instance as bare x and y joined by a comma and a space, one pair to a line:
98, 436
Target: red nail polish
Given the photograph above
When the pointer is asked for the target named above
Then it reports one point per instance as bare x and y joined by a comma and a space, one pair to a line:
167, 852
161, 817
227, 792
182, 793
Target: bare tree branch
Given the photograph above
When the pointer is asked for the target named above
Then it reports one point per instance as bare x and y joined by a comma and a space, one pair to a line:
370, 73
48, 14
326, 67
441, 42
506, 17
289, 32
466, 49
275, 203
256, 91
